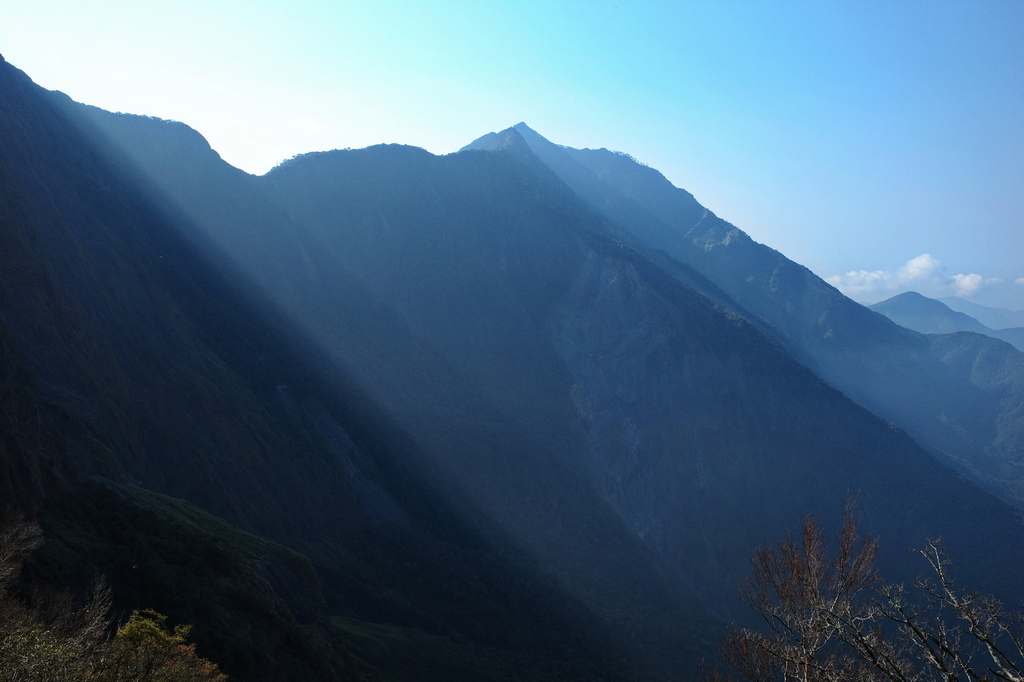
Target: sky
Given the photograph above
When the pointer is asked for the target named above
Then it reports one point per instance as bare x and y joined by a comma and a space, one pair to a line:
881, 144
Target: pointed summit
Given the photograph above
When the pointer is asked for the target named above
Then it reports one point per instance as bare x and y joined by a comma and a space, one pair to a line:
529, 134
510, 140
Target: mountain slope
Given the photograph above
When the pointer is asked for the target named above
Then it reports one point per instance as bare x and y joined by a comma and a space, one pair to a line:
591, 369
892, 371
86, 395
137, 367
468, 421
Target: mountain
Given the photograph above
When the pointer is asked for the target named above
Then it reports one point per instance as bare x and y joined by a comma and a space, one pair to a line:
116, 392
994, 318
171, 433
928, 316
969, 421
495, 266
380, 414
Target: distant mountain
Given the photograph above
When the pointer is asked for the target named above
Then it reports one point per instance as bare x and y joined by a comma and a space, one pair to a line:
994, 318
1013, 336
928, 316
380, 414
969, 422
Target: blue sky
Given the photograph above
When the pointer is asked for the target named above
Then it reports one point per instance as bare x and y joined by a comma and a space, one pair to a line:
880, 144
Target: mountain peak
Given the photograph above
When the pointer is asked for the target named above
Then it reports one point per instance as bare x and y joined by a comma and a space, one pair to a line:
510, 140
926, 315
525, 130
531, 136
910, 296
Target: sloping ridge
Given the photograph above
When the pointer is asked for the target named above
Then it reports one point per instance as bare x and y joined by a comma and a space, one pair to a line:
995, 318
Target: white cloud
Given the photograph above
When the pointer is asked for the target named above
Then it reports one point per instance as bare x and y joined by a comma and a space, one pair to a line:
923, 268
967, 285
924, 274
1020, 281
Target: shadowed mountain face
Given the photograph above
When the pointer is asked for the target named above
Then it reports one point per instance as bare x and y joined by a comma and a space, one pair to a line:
971, 423
140, 372
928, 316
500, 433
115, 384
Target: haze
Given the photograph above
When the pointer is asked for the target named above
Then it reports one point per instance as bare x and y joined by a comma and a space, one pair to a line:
880, 144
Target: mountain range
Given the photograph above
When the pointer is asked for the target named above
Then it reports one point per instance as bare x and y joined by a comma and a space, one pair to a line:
993, 318
518, 412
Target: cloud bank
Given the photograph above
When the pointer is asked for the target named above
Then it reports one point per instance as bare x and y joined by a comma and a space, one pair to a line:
924, 274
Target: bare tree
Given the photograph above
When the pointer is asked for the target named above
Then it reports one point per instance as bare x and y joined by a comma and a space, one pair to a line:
830, 618
54, 637
18, 538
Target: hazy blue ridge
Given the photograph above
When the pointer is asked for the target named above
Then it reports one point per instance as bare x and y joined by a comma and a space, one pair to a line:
995, 318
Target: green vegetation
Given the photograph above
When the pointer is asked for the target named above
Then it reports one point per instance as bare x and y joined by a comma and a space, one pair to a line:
145, 649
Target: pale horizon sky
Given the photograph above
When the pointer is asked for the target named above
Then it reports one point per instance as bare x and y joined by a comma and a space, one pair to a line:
881, 144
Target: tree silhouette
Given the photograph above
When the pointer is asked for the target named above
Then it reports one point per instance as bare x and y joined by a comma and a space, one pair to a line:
830, 618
